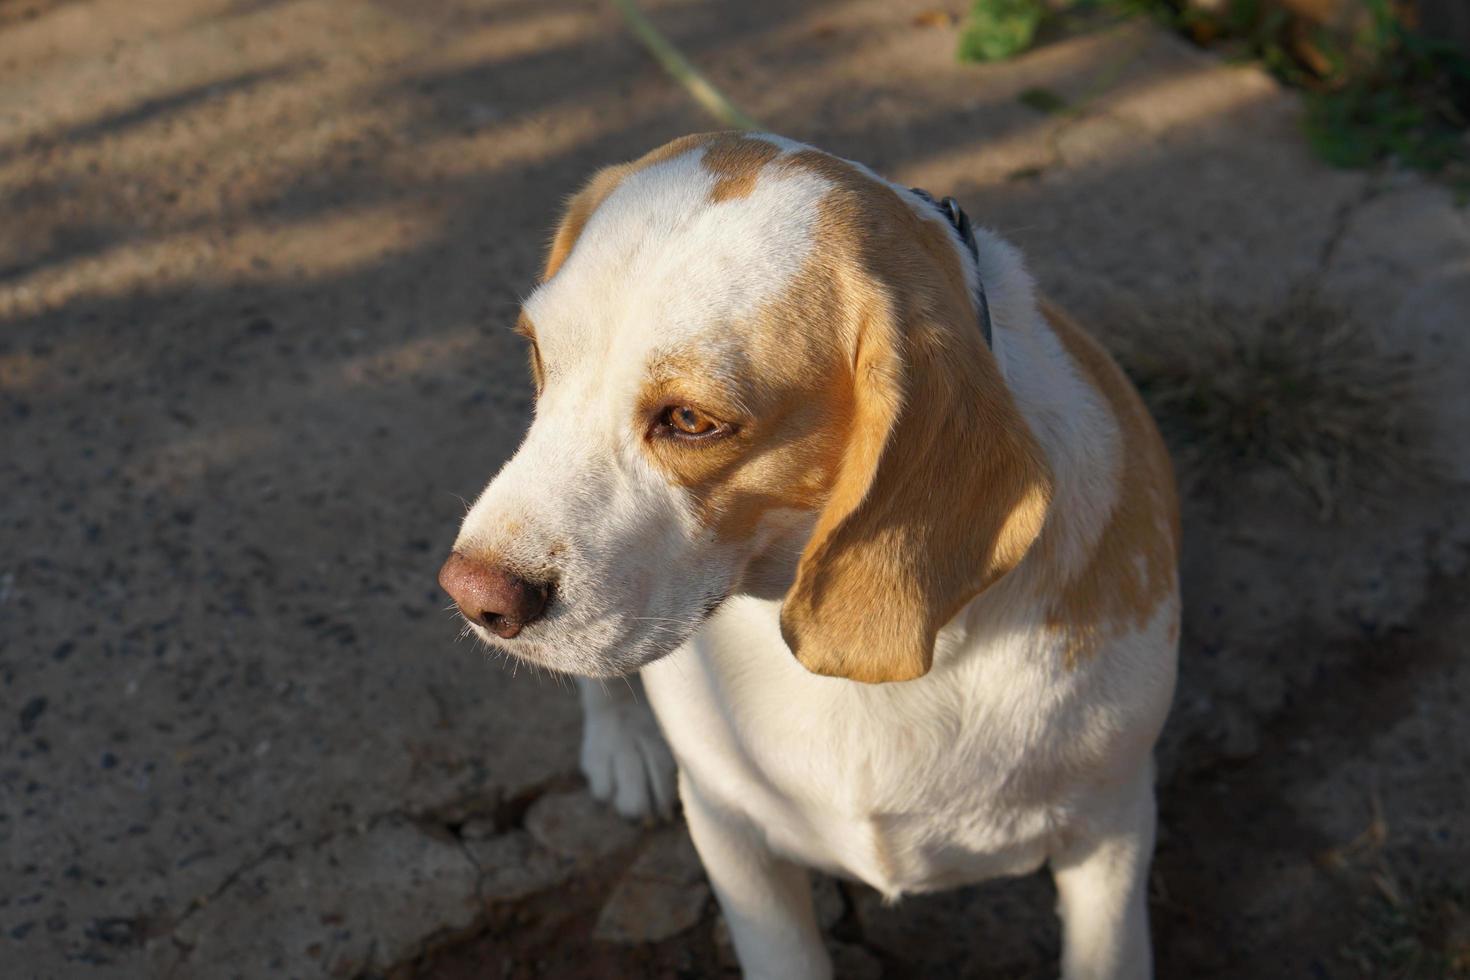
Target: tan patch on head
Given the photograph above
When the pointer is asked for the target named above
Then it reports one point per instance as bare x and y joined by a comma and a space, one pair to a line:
737, 164
1132, 567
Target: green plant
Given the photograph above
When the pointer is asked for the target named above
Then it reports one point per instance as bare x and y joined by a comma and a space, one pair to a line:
1409, 101
1384, 92
1299, 391
999, 29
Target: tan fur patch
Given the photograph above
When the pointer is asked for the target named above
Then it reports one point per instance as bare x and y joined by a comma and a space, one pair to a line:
791, 421
736, 164
942, 487
1132, 567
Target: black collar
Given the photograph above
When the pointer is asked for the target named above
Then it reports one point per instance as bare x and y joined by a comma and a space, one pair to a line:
960, 222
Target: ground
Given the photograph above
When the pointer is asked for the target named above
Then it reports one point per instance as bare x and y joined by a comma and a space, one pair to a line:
258, 267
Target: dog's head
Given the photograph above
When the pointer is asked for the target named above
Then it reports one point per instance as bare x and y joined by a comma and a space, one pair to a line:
758, 371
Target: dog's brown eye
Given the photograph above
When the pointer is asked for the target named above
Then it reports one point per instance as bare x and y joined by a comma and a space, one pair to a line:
688, 421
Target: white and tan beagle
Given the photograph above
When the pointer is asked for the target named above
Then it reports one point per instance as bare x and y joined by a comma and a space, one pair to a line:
904, 603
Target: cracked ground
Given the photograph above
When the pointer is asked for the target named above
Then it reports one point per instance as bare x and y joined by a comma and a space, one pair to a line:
258, 264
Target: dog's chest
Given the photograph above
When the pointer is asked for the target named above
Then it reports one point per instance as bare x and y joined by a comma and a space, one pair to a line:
903, 853
908, 790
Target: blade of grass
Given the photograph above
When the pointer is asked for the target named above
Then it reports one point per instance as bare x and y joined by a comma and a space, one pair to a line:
701, 89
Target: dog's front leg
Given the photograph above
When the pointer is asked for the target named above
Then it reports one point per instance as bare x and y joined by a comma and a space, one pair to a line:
766, 899
624, 755
1102, 889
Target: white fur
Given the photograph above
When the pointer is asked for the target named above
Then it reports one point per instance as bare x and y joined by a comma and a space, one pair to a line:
656, 269
999, 760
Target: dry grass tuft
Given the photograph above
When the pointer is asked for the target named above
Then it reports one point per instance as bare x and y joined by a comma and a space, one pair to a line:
1301, 392
1407, 930
1420, 936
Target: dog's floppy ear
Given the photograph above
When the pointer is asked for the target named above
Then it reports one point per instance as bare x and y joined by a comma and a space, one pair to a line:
579, 209
942, 490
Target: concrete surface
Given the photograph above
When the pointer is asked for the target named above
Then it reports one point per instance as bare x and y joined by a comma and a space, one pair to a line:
257, 267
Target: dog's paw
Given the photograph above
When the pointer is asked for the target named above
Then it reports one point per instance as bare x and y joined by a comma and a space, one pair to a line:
626, 760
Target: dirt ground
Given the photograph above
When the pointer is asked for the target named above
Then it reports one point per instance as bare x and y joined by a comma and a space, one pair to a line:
258, 264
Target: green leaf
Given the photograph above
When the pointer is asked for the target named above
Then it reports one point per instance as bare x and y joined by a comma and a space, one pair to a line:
1043, 100
1336, 135
998, 29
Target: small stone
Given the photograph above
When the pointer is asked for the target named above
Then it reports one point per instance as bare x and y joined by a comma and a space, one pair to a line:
650, 910
660, 896
513, 867
478, 828
669, 855
574, 825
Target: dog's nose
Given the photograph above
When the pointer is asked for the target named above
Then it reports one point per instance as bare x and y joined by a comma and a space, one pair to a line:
492, 596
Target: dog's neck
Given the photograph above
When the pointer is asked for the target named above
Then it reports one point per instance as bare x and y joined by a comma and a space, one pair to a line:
1075, 431
1010, 294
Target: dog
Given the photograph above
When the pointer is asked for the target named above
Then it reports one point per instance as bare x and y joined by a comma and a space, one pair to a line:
891, 541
